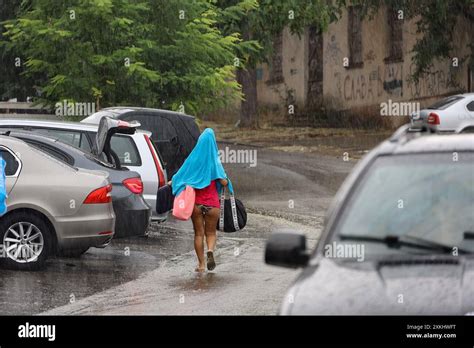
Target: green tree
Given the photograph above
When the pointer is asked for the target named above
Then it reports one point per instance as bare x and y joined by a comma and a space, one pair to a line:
12, 84
162, 53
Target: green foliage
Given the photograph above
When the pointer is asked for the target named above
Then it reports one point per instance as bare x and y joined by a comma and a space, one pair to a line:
11, 83
156, 53
437, 23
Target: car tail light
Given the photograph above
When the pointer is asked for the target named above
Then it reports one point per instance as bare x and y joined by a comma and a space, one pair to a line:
99, 196
105, 233
433, 119
134, 184
123, 124
155, 159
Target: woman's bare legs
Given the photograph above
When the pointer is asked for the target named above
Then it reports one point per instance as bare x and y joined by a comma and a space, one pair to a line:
210, 226
205, 225
198, 224
210, 219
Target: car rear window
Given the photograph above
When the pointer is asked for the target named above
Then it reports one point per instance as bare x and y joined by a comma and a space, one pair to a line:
101, 161
126, 150
74, 138
11, 163
470, 106
445, 103
51, 151
42, 152
427, 196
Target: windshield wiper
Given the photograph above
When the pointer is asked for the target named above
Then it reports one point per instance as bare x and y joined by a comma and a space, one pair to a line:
395, 242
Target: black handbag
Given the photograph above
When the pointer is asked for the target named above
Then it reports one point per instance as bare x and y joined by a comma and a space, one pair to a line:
164, 199
233, 216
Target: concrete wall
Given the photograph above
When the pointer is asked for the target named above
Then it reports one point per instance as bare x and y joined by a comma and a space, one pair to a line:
295, 62
377, 81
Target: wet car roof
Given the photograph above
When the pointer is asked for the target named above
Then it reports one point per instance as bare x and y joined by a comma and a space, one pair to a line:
56, 124
118, 110
46, 139
49, 123
424, 143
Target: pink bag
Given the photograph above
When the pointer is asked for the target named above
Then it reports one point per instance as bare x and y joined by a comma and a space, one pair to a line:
184, 204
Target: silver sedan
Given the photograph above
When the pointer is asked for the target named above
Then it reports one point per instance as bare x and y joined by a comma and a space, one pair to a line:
51, 207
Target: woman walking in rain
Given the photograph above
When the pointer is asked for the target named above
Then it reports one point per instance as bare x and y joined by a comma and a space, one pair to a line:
204, 172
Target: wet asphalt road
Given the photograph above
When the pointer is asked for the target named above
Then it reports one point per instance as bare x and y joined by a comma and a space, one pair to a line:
241, 283
154, 275
67, 279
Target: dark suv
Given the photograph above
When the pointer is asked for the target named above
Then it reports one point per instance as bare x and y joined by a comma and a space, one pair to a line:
174, 134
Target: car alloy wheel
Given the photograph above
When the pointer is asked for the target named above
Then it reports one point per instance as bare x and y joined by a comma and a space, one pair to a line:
23, 242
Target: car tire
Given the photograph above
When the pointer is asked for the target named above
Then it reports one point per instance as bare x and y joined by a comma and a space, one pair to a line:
73, 253
34, 252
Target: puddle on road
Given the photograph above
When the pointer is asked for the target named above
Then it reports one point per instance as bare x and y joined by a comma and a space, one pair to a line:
204, 281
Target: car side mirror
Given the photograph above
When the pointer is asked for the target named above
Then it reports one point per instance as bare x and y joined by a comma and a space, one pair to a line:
286, 250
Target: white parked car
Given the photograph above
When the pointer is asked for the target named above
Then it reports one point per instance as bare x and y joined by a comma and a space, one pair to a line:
466, 127
135, 151
447, 115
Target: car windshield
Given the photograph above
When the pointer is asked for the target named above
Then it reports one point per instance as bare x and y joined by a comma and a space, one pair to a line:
445, 103
424, 197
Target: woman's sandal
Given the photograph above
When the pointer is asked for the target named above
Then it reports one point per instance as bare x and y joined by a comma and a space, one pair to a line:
211, 263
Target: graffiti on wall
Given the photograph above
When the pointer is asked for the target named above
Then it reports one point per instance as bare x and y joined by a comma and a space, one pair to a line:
389, 80
435, 83
393, 79
359, 86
